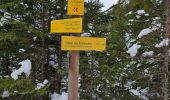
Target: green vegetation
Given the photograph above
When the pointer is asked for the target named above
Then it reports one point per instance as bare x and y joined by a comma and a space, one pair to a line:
106, 75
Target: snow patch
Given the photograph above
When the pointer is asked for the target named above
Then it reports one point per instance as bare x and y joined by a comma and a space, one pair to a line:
3, 21
135, 92
34, 38
133, 50
5, 18
156, 24
131, 20
148, 54
85, 34
56, 96
140, 93
137, 16
146, 14
25, 68
5, 94
41, 85
7, 15
141, 12
129, 83
144, 32
129, 13
21, 50
45, 82
53, 64
164, 42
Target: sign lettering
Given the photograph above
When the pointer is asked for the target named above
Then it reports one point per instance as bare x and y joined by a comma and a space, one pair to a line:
83, 43
73, 25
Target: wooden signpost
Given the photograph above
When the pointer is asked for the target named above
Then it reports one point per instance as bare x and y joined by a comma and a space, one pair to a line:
75, 7
75, 44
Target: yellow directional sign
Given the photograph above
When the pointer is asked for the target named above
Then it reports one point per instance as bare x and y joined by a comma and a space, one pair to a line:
73, 25
75, 7
83, 43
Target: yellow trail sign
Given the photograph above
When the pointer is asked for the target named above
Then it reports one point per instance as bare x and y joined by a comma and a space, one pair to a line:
83, 43
73, 25
75, 7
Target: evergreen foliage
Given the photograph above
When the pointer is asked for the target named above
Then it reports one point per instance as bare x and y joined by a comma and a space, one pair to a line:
106, 75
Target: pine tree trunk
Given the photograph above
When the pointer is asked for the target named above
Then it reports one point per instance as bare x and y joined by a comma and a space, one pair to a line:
166, 53
43, 43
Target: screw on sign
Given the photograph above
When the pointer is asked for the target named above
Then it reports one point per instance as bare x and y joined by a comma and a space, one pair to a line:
75, 9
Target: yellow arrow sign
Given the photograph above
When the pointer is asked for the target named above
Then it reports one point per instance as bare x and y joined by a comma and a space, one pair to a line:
73, 25
75, 7
83, 43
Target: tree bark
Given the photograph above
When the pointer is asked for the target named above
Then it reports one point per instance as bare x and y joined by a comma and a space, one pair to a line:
43, 42
166, 52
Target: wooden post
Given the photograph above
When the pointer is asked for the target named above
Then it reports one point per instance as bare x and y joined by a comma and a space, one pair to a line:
166, 52
73, 75
74, 55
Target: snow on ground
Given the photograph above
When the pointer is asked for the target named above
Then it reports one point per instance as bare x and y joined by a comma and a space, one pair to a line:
41, 85
133, 50
164, 42
56, 96
5, 94
148, 54
25, 68
144, 32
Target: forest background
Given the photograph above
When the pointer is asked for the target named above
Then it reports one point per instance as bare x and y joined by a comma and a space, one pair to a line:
130, 68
